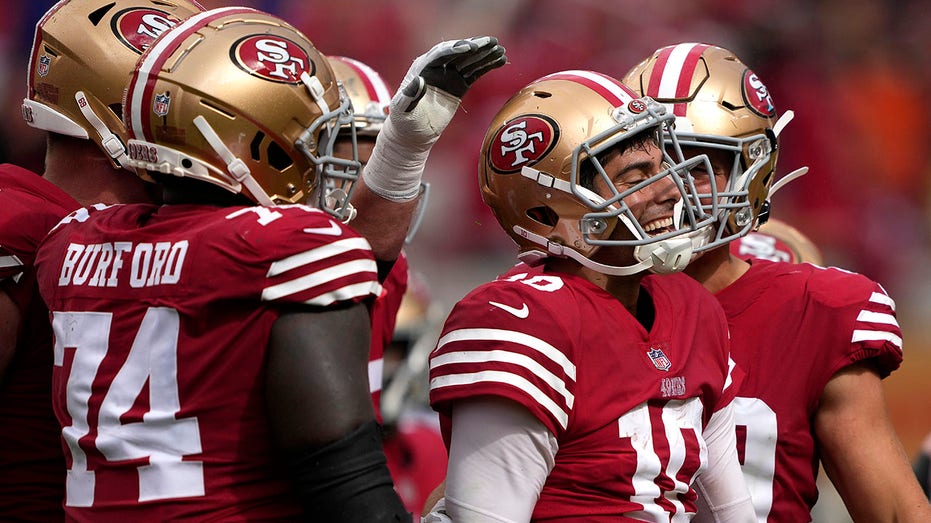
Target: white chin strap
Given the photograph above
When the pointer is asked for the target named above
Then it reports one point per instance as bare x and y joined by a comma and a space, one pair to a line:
234, 166
111, 143
663, 257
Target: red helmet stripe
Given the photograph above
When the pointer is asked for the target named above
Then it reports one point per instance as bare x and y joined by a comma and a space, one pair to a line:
672, 74
609, 88
140, 92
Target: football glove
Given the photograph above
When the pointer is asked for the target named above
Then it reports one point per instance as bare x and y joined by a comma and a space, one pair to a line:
421, 109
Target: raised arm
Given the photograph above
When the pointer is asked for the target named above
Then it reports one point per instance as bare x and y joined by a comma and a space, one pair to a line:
421, 109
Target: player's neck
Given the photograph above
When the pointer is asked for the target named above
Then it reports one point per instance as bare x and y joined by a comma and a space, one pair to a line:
80, 169
625, 288
717, 269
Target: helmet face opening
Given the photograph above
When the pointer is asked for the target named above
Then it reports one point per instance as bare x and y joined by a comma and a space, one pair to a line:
545, 154
192, 111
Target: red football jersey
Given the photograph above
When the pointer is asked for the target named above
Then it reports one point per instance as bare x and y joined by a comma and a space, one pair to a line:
572, 355
793, 326
162, 317
32, 465
384, 317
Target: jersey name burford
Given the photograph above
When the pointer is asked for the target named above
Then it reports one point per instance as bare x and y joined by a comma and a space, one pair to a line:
106, 264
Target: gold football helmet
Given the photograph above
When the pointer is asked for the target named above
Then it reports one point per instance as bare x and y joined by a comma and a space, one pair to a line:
719, 103
778, 241
240, 99
367, 91
82, 55
531, 159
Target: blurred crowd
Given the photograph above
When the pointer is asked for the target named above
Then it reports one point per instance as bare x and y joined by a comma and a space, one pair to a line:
856, 72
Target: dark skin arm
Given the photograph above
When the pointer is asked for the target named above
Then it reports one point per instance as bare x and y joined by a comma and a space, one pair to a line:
317, 376
322, 419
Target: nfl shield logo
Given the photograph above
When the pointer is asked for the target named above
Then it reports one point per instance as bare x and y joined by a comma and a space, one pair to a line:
660, 361
162, 101
44, 62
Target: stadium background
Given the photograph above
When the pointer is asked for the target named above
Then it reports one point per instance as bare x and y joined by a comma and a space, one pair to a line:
857, 73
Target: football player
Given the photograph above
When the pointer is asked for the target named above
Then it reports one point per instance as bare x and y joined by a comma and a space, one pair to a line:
815, 342
211, 352
82, 55
582, 388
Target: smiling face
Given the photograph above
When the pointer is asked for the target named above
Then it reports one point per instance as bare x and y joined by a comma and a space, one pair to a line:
628, 165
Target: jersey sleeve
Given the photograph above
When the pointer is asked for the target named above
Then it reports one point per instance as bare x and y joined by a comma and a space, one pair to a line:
866, 318
307, 257
24, 222
506, 340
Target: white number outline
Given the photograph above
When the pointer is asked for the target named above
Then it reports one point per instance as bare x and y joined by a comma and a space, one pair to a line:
153, 358
759, 466
678, 416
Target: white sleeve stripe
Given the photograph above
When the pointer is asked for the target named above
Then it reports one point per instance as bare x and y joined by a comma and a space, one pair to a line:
531, 342
872, 335
490, 376
877, 317
10, 261
878, 297
320, 253
321, 277
376, 370
504, 356
356, 290
730, 368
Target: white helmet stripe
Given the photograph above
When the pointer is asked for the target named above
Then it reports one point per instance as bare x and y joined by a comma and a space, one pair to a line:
672, 74
374, 84
612, 90
138, 97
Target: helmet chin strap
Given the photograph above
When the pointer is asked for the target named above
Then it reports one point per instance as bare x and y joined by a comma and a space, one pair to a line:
234, 166
110, 142
662, 257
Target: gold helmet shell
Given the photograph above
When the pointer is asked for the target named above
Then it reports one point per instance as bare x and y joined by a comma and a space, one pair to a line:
367, 90
82, 55
243, 100
535, 149
778, 241
718, 103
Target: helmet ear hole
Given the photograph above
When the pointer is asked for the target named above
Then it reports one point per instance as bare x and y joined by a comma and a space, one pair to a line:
278, 158
543, 215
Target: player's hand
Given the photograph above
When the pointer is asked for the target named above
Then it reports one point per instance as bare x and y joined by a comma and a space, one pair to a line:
431, 90
451, 67
422, 108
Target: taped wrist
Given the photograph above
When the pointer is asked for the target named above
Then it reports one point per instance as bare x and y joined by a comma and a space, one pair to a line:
348, 480
396, 166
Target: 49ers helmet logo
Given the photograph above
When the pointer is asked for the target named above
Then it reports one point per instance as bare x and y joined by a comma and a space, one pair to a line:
272, 58
137, 27
756, 95
522, 141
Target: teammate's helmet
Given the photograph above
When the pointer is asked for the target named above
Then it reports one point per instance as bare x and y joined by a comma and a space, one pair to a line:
82, 55
367, 91
777, 241
529, 172
718, 103
240, 99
